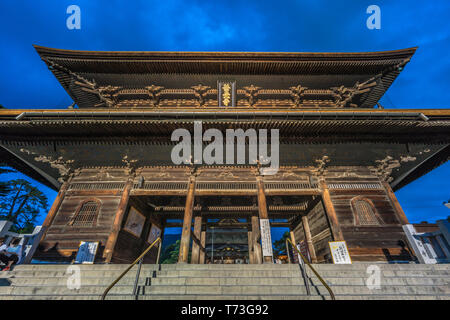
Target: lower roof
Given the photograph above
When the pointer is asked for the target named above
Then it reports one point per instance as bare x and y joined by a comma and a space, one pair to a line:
47, 127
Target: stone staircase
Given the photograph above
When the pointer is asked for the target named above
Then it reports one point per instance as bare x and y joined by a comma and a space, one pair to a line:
228, 282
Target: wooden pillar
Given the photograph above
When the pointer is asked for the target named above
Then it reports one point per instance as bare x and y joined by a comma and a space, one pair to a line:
398, 208
53, 211
263, 214
203, 242
187, 222
256, 235
294, 253
251, 249
197, 233
55, 207
292, 236
117, 224
309, 242
331, 213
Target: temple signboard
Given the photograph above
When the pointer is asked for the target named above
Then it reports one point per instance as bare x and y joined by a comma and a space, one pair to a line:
339, 252
86, 252
226, 91
266, 240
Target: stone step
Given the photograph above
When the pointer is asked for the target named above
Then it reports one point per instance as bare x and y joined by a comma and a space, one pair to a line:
62, 273
236, 288
292, 297
324, 267
227, 289
67, 297
223, 273
224, 297
282, 281
294, 273
259, 282
297, 280
64, 290
62, 281
293, 289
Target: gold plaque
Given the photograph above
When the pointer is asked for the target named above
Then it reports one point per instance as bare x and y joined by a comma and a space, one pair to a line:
226, 93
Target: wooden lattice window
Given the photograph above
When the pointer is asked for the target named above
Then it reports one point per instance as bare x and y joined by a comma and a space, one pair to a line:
365, 213
86, 215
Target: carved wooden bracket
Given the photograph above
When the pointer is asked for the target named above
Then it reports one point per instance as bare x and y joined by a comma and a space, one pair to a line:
251, 92
155, 94
321, 165
297, 94
200, 92
384, 168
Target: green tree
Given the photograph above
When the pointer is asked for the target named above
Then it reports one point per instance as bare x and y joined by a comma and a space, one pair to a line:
4, 186
279, 246
22, 205
171, 253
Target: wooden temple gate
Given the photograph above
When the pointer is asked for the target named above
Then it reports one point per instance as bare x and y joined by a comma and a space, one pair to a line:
130, 202
110, 158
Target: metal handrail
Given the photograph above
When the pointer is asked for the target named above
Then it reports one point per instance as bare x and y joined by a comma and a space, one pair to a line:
314, 270
129, 268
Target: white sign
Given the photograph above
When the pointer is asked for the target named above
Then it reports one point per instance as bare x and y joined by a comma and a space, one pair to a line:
86, 252
266, 240
339, 252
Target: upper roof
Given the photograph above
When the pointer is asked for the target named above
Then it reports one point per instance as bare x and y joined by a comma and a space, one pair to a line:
189, 79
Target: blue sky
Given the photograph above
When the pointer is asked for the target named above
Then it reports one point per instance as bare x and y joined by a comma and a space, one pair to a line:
251, 25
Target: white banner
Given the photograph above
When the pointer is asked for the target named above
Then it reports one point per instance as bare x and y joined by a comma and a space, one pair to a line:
266, 239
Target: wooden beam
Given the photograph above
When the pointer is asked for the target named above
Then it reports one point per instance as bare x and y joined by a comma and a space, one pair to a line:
398, 208
251, 256
331, 213
187, 222
256, 236
203, 243
214, 215
262, 209
305, 192
427, 112
196, 236
117, 224
225, 192
115, 192
308, 238
141, 192
311, 204
230, 225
